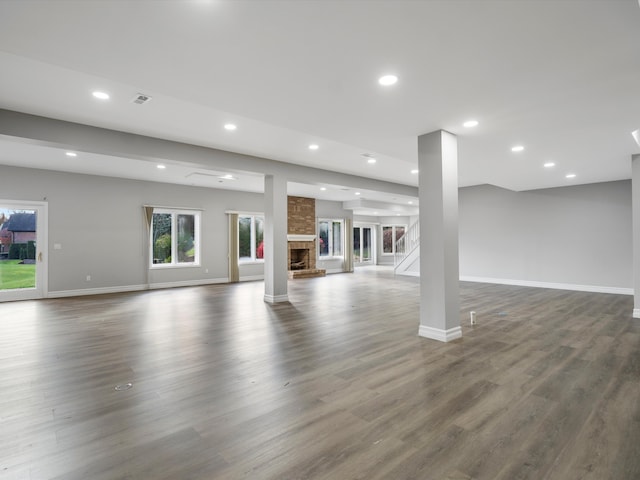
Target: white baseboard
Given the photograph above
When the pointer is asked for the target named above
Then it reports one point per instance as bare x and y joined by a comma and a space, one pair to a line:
134, 288
440, 335
188, 283
96, 291
557, 286
276, 298
251, 278
407, 273
331, 271
636, 313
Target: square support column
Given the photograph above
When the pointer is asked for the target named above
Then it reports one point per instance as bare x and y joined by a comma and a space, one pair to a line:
635, 213
439, 270
275, 239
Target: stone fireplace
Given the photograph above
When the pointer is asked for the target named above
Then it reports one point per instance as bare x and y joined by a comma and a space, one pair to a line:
301, 240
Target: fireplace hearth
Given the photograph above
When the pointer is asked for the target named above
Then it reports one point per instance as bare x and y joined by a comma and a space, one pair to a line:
302, 258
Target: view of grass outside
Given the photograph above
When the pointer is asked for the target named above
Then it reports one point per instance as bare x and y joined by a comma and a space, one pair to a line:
17, 248
15, 275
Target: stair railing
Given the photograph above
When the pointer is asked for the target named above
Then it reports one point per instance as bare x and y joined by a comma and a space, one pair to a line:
407, 243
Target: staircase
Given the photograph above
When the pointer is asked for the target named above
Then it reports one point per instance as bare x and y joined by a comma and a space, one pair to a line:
407, 257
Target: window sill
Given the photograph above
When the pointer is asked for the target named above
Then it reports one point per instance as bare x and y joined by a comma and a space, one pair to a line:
162, 266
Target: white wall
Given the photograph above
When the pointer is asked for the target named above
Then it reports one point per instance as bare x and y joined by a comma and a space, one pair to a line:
99, 223
579, 235
365, 219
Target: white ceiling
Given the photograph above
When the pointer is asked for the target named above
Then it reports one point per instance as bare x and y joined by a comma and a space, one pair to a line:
560, 77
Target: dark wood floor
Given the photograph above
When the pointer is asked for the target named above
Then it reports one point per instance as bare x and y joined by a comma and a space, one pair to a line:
334, 385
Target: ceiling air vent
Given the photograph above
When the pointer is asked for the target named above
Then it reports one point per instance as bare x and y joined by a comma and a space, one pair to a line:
141, 98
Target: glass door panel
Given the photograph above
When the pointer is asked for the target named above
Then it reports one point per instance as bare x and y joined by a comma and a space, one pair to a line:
21, 251
363, 248
356, 245
366, 244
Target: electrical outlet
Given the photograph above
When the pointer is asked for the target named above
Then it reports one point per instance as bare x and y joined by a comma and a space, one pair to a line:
88, 278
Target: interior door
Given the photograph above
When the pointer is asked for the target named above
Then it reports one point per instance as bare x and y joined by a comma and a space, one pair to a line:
22, 250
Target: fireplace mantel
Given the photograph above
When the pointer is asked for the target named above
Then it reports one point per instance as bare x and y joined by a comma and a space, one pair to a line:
300, 238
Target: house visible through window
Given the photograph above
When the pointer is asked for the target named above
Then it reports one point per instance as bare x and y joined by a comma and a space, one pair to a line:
390, 235
330, 238
175, 237
250, 238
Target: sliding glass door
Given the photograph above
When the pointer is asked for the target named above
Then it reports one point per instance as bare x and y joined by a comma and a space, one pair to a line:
22, 250
363, 250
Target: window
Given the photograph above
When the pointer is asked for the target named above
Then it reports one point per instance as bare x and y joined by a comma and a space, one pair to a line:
250, 238
330, 238
390, 235
175, 238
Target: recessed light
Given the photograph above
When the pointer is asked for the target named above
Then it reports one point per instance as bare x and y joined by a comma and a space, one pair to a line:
101, 95
470, 123
375, 213
313, 146
357, 193
415, 171
370, 157
517, 148
161, 167
570, 175
549, 165
230, 127
387, 80
227, 176
323, 188
71, 154
410, 202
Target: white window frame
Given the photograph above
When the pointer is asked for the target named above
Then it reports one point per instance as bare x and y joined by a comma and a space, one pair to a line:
253, 258
331, 253
393, 235
174, 238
